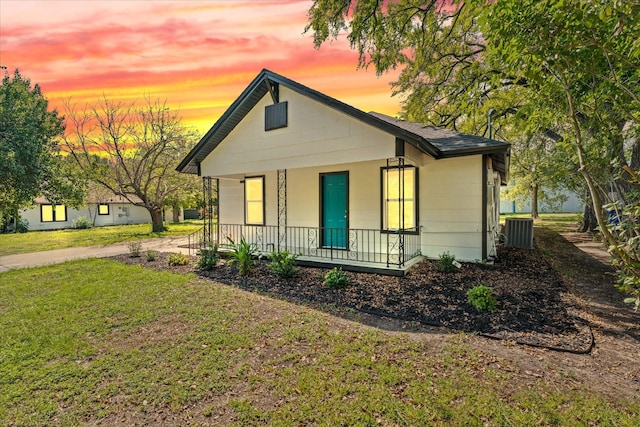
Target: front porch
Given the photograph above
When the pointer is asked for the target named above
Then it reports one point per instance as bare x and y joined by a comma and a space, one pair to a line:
365, 250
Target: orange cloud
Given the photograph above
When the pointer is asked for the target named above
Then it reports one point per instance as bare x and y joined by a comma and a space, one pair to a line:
198, 55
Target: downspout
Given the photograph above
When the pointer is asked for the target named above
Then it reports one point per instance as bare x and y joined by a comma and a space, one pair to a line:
490, 123
485, 230
484, 207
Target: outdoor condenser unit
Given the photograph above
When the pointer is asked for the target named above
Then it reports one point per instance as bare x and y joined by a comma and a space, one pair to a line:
518, 232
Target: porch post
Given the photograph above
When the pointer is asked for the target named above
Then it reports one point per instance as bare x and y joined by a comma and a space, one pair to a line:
282, 209
392, 244
208, 210
210, 191
401, 212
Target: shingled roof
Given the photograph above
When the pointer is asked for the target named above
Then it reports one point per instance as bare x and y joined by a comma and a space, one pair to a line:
436, 142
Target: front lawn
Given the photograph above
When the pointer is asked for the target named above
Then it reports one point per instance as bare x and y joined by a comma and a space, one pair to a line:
36, 241
97, 341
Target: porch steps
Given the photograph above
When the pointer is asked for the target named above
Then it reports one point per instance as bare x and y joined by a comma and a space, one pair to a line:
359, 266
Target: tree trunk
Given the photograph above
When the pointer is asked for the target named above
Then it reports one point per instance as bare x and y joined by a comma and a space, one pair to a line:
589, 222
156, 220
534, 202
176, 213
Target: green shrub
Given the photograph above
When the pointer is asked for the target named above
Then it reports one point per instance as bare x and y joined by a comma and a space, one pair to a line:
481, 297
81, 223
178, 259
283, 263
134, 248
446, 263
22, 225
208, 258
336, 278
152, 255
242, 254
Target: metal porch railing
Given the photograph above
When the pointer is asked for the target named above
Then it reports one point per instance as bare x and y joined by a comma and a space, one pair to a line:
392, 249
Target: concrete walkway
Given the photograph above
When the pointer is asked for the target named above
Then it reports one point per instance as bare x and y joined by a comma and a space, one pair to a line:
34, 259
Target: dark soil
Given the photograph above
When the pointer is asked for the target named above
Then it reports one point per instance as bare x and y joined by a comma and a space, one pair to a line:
534, 306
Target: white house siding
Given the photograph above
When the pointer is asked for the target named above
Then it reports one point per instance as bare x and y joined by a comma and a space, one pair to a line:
121, 214
303, 203
117, 216
231, 199
316, 135
451, 207
319, 139
450, 210
303, 195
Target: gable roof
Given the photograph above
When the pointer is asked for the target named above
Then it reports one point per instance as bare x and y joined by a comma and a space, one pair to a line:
436, 142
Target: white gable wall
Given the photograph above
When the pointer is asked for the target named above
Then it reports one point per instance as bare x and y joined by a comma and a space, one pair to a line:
316, 135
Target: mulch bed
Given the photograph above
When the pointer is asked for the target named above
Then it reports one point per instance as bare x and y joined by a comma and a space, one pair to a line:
533, 305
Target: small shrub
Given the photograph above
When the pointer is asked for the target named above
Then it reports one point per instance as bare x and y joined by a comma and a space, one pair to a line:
208, 258
134, 248
446, 263
336, 278
152, 255
481, 297
242, 254
22, 225
81, 223
283, 263
178, 259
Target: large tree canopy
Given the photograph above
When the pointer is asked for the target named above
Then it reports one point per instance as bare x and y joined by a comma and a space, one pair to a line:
30, 165
132, 150
567, 70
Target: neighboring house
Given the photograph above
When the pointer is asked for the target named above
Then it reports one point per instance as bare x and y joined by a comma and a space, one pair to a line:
292, 168
570, 204
114, 210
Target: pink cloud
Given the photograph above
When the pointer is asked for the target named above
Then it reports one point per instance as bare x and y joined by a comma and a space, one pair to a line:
197, 55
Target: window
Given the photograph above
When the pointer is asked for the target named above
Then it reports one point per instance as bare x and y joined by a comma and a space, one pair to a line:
50, 213
254, 200
103, 209
399, 198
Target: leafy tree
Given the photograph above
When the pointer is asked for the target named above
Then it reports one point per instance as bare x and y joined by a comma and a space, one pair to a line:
30, 161
578, 61
586, 64
131, 150
537, 168
190, 196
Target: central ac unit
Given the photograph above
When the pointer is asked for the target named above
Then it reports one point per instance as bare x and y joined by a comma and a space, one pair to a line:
518, 232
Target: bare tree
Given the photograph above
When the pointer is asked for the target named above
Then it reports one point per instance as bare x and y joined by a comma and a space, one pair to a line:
131, 150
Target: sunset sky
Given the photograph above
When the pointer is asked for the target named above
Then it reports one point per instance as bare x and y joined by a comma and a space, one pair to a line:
198, 55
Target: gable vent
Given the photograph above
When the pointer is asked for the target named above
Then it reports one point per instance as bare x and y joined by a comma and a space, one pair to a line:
275, 116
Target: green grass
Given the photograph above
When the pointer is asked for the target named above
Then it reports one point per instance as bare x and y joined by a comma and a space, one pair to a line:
95, 340
36, 241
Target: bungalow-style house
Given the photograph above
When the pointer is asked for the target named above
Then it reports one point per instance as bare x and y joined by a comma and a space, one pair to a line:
112, 210
292, 168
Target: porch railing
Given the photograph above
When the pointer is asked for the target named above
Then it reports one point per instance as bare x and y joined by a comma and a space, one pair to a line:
393, 248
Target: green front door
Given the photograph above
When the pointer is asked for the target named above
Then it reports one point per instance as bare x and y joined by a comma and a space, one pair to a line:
334, 204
